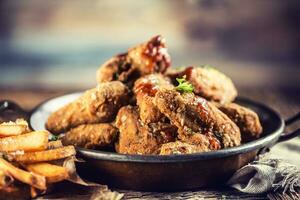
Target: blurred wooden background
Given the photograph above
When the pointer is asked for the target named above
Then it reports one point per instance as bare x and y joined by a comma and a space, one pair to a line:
60, 44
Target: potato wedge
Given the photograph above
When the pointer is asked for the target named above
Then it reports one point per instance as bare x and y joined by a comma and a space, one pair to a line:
33, 141
55, 144
53, 173
43, 156
32, 179
18, 127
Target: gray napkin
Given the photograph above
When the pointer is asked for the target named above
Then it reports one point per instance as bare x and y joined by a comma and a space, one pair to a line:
267, 175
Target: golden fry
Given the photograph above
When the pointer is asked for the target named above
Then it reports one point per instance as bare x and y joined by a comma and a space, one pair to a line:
32, 179
18, 127
43, 156
55, 144
33, 141
53, 173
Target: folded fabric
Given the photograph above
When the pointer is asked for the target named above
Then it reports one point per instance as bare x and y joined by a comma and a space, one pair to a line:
267, 175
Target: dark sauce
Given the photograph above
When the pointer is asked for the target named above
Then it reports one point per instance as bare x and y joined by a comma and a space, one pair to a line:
147, 86
201, 105
165, 136
188, 72
214, 143
157, 52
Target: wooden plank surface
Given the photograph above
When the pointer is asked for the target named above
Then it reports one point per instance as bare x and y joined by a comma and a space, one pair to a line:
285, 101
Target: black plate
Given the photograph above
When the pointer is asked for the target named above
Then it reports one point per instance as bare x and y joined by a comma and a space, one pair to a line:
173, 172
271, 121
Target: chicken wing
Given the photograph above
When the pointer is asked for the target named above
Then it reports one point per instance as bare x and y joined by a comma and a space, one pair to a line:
208, 83
180, 147
145, 89
195, 117
137, 138
246, 119
149, 57
91, 136
96, 105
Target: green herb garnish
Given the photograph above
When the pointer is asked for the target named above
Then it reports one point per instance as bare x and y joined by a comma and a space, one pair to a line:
53, 137
183, 85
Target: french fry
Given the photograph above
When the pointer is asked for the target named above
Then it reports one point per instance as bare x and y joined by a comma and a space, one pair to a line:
18, 127
33, 192
53, 173
55, 144
33, 141
30, 150
32, 179
44, 156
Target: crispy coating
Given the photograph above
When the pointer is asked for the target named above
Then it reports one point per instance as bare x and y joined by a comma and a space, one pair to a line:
137, 138
91, 136
246, 119
180, 147
192, 114
208, 83
205, 142
137, 108
145, 89
149, 57
114, 69
96, 105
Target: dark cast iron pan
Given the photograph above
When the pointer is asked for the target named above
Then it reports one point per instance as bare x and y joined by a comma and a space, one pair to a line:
167, 173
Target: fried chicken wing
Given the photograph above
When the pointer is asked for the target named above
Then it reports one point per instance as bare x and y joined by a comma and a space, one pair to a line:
115, 68
193, 115
180, 147
208, 83
246, 119
145, 89
91, 136
141, 106
149, 57
137, 138
96, 105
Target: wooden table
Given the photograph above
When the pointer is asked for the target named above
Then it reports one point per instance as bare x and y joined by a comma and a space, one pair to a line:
285, 101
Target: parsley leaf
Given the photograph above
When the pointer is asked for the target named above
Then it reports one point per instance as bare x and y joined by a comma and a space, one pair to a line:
183, 85
53, 137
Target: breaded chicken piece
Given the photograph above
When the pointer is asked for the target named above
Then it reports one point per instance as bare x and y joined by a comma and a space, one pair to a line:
137, 138
246, 119
208, 83
145, 89
192, 114
147, 58
96, 105
204, 141
114, 69
91, 136
180, 147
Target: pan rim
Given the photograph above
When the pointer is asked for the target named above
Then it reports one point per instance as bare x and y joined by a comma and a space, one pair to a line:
243, 148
